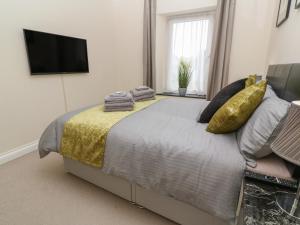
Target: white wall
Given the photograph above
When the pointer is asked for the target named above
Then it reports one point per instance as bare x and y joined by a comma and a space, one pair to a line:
251, 37
30, 103
284, 45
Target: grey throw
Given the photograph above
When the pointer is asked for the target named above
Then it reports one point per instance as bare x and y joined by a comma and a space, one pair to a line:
164, 149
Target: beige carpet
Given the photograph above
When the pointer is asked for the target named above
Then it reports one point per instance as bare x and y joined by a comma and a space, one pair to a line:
39, 192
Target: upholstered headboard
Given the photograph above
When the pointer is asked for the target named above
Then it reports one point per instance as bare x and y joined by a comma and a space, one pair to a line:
285, 80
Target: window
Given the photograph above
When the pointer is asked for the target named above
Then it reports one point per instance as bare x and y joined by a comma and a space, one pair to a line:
190, 38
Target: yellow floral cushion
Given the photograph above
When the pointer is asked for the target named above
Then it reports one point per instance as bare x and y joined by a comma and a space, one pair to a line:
250, 81
237, 110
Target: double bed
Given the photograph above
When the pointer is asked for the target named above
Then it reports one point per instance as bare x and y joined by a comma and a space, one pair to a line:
162, 159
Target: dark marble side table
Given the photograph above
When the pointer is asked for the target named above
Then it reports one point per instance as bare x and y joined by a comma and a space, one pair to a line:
261, 187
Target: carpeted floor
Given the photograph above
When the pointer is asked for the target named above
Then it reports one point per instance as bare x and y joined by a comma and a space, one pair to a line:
39, 192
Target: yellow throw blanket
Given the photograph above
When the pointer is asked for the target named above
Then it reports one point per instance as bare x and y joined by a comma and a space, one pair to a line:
85, 134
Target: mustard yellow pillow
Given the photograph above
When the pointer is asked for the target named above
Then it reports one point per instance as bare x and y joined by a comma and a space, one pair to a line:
237, 110
250, 81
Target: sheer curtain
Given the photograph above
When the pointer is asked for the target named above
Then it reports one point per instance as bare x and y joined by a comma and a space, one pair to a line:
190, 38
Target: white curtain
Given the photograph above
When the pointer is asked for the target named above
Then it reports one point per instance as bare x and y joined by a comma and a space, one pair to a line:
190, 38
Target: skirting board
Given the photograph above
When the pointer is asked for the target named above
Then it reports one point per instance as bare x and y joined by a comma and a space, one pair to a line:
18, 152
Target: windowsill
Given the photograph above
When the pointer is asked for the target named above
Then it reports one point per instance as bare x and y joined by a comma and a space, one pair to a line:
186, 96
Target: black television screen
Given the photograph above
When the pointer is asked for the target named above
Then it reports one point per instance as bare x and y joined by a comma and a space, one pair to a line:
53, 54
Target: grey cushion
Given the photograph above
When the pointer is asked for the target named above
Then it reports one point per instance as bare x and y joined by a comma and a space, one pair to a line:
255, 136
220, 99
269, 92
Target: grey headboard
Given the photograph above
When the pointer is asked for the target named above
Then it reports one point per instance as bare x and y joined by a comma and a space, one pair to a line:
285, 80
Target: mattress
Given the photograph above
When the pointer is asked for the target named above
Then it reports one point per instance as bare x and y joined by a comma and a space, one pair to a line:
163, 148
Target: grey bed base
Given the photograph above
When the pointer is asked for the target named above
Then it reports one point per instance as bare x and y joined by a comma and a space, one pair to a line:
170, 208
285, 80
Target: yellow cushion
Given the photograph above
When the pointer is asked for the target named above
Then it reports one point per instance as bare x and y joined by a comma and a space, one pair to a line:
250, 81
237, 110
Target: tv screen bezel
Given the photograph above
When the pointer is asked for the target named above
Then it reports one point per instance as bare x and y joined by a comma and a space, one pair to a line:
53, 73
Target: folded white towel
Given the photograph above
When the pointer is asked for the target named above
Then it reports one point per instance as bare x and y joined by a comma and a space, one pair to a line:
136, 93
115, 98
118, 109
119, 104
144, 98
142, 88
118, 94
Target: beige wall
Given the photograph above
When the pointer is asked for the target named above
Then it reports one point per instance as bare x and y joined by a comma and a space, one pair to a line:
284, 45
251, 37
257, 42
173, 6
128, 42
29, 103
113, 29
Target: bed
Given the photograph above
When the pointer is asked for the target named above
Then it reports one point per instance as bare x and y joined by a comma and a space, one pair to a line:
162, 159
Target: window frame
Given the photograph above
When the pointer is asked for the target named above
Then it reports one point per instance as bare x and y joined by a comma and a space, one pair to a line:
186, 17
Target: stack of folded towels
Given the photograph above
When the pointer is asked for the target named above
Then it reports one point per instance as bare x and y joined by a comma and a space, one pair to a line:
118, 101
142, 93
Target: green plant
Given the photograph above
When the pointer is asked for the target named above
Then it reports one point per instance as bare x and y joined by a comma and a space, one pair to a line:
184, 73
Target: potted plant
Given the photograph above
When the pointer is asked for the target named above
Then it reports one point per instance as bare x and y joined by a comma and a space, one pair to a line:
184, 76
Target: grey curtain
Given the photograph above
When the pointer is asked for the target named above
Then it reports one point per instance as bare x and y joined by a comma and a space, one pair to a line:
221, 46
149, 43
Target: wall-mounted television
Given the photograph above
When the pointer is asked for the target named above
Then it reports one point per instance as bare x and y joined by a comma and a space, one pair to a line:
55, 54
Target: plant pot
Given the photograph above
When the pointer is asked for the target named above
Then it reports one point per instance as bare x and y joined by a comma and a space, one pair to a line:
182, 91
